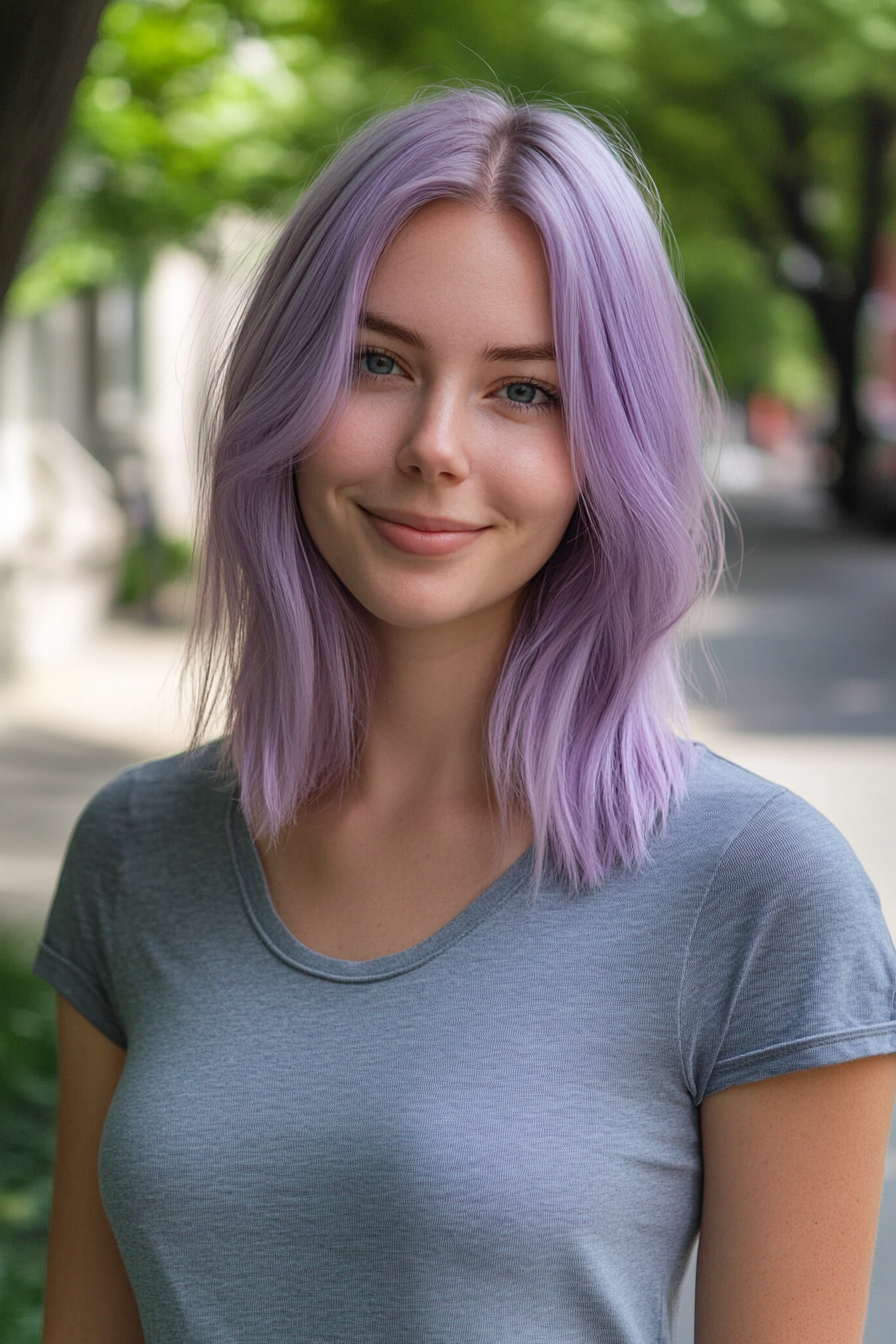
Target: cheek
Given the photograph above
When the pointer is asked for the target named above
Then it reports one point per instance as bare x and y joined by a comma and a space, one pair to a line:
361, 444
334, 465
553, 525
544, 490
312, 484
345, 459
316, 484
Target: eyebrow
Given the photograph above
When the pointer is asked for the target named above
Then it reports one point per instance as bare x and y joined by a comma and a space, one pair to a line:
511, 353
493, 353
373, 322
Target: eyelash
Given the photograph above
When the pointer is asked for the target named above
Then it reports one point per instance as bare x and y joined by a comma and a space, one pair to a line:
372, 350
552, 393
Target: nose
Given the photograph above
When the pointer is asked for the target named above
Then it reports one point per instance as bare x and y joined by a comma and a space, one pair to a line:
434, 449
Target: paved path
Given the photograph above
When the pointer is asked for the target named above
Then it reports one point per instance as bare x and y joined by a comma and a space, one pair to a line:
805, 649
63, 733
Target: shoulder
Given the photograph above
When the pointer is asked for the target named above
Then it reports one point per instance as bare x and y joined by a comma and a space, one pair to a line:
766, 838
162, 785
170, 797
731, 824
776, 880
744, 819
137, 858
789, 963
141, 837
722, 794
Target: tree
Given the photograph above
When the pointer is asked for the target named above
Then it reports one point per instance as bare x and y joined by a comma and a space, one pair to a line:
184, 107
778, 120
43, 47
187, 106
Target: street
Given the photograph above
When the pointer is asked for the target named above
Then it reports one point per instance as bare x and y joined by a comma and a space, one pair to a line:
796, 680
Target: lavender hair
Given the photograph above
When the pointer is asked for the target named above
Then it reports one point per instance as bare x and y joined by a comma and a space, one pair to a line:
580, 731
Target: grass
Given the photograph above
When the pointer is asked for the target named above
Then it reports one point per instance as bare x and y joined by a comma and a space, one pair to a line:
27, 1127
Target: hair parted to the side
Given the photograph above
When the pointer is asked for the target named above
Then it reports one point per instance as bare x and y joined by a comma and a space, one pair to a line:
580, 731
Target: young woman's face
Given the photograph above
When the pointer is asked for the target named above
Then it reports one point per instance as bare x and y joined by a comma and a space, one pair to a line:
447, 482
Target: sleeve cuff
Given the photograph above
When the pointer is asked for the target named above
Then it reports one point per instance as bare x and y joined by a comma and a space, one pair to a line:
71, 982
812, 1052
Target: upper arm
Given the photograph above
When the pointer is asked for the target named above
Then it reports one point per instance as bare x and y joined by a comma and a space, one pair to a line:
88, 1298
793, 1171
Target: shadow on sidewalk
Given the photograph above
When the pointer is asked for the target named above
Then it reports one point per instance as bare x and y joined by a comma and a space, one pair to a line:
803, 631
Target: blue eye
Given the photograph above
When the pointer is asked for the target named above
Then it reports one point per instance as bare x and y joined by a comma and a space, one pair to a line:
524, 392
527, 394
370, 361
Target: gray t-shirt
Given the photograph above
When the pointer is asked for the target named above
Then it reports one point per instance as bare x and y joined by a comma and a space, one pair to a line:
490, 1138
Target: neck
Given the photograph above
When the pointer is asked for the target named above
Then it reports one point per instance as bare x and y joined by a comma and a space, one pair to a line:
430, 706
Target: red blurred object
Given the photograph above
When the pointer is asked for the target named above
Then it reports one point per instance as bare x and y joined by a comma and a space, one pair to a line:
770, 422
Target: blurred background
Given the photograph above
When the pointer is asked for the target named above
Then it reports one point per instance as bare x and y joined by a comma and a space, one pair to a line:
148, 150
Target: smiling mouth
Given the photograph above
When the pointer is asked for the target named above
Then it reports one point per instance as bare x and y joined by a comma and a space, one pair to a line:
420, 534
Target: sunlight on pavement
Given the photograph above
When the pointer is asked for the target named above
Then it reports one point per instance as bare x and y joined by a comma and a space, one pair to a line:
122, 689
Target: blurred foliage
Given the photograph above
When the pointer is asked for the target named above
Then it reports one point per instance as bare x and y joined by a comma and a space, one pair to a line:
753, 117
150, 562
183, 107
27, 1118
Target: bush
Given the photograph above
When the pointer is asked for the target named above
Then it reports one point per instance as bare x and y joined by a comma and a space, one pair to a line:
27, 1134
149, 563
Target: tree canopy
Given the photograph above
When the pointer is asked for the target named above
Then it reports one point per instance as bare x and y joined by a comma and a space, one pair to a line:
768, 126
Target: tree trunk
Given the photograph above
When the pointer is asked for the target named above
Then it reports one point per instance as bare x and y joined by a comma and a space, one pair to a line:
43, 47
838, 322
837, 301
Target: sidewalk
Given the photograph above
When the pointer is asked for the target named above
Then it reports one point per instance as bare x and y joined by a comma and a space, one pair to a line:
66, 730
121, 690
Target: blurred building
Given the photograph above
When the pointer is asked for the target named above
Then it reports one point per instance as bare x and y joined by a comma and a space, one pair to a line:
101, 404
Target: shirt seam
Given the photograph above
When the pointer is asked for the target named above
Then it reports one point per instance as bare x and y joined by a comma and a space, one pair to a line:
710, 886
868, 1030
373, 978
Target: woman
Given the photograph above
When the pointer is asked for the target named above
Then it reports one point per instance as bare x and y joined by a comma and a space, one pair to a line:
490, 990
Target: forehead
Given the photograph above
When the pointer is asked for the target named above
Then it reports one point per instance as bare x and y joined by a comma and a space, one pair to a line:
455, 265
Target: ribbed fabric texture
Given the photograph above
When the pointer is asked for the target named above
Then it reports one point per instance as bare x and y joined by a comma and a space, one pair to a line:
492, 1138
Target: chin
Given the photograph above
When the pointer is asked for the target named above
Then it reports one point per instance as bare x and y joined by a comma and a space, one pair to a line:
401, 616
425, 614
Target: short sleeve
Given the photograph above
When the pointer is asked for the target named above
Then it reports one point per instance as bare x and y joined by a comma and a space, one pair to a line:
790, 964
76, 953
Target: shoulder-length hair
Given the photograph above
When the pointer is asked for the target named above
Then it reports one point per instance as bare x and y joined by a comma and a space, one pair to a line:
580, 726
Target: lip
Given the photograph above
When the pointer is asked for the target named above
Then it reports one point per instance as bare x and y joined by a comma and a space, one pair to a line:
422, 534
